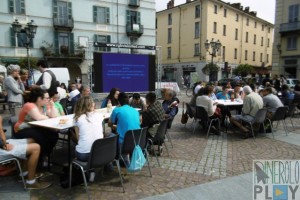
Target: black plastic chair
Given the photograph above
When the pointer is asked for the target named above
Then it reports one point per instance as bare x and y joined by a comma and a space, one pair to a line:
103, 151
259, 118
159, 138
290, 113
278, 116
129, 144
64, 102
190, 111
169, 125
202, 115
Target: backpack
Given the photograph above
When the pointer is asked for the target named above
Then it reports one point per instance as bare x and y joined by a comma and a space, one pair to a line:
137, 158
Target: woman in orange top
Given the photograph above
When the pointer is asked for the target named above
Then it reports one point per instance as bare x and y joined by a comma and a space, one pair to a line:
39, 107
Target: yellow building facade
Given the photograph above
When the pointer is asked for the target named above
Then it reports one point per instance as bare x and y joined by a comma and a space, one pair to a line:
183, 30
286, 47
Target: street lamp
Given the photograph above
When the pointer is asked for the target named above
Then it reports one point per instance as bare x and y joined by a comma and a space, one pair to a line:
30, 31
215, 46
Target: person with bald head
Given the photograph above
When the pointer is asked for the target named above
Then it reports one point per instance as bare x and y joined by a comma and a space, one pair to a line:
252, 103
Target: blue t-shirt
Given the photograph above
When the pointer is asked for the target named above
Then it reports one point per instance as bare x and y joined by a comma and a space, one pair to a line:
221, 96
126, 118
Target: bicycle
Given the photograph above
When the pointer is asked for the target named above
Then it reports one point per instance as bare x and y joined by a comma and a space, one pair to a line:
189, 91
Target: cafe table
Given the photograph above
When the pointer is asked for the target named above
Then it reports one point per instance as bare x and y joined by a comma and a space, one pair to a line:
66, 122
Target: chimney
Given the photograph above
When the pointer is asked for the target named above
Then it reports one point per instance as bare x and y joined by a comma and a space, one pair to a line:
253, 13
170, 4
188, 1
247, 9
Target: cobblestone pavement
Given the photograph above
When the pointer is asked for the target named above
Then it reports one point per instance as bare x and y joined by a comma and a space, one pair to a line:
193, 160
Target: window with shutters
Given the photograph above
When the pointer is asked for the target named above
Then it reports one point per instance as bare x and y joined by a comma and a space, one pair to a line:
197, 11
215, 27
224, 30
170, 19
236, 35
197, 49
101, 15
16, 6
261, 57
293, 13
246, 55
169, 35
247, 35
254, 39
102, 39
169, 52
197, 29
235, 53
292, 43
215, 9
63, 43
253, 56
19, 39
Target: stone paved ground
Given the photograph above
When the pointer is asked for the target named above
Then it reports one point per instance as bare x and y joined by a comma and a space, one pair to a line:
193, 160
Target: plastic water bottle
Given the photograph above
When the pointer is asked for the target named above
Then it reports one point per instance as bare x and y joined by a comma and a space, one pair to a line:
109, 106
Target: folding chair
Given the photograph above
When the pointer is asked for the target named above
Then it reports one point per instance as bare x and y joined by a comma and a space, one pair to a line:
202, 115
159, 138
129, 144
103, 151
259, 118
278, 116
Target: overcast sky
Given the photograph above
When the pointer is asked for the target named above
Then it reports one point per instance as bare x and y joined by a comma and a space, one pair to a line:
265, 8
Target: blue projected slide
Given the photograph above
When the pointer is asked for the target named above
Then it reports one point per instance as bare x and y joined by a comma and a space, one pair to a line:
129, 72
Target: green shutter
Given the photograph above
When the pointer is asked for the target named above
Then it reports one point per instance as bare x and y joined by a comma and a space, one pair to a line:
11, 6
12, 37
55, 8
56, 43
138, 17
70, 10
108, 40
107, 15
95, 13
22, 2
71, 36
128, 17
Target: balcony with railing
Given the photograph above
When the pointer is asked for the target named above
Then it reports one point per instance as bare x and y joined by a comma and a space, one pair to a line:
134, 30
134, 3
289, 27
63, 23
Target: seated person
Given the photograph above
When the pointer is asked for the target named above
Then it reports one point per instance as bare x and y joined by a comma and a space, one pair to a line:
252, 103
237, 92
208, 105
136, 101
39, 107
26, 150
84, 92
113, 97
193, 100
224, 94
88, 126
57, 105
170, 104
286, 92
271, 102
124, 118
154, 114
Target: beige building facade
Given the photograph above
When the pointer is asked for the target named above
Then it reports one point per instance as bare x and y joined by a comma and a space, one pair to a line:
183, 30
286, 47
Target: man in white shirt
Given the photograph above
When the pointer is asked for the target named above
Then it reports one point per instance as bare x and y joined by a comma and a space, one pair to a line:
48, 80
198, 87
62, 92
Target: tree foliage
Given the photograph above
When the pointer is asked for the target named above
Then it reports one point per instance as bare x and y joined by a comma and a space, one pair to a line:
243, 70
23, 63
210, 68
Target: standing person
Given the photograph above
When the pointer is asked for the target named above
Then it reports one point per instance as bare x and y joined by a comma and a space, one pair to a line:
62, 92
26, 150
252, 103
15, 88
47, 81
24, 78
154, 114
88, 127
39, 107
